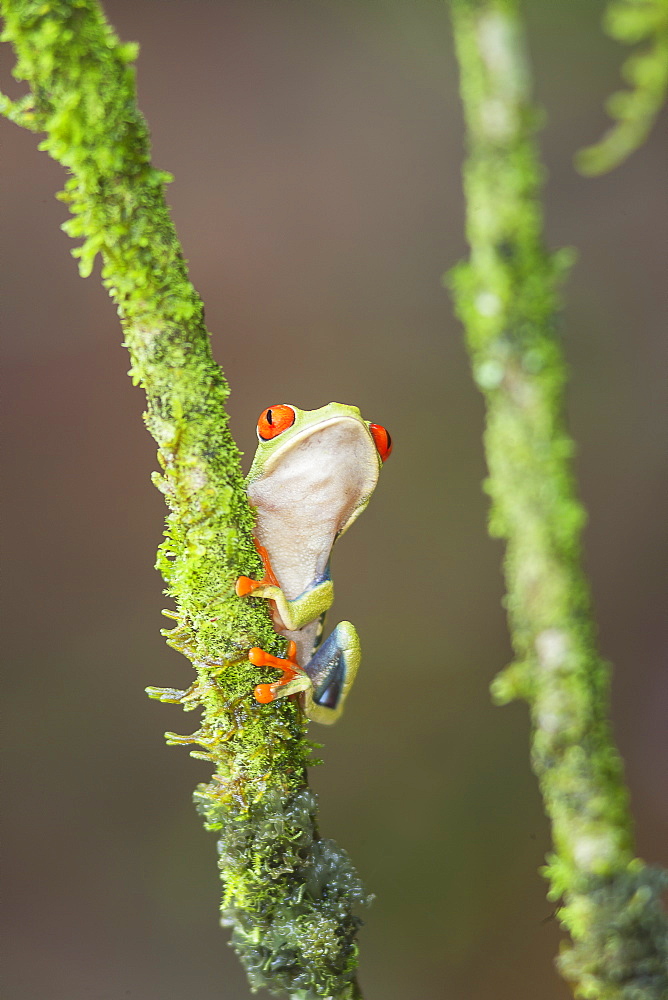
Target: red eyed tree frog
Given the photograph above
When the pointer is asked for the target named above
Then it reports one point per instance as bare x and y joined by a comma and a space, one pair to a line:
313, 473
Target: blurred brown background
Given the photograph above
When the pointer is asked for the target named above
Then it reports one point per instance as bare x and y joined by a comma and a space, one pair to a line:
317, 148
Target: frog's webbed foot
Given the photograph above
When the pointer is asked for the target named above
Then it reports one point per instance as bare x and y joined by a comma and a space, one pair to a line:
332, 670
293, 680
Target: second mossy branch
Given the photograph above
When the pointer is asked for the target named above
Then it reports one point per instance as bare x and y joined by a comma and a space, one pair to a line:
506, 295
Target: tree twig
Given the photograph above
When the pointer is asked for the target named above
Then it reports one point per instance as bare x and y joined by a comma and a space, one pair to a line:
288, 894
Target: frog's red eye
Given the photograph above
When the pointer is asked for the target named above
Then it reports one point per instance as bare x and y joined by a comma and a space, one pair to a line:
382, 439
274, 421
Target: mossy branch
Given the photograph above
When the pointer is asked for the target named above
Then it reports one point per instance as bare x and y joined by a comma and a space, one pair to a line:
631, 22
506, 296
288, 894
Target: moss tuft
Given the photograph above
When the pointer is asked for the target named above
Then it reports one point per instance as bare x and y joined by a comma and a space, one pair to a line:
621, 946
287, 894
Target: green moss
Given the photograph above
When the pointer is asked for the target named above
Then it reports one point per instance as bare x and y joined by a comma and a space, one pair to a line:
295, 892
290, 933
506, 295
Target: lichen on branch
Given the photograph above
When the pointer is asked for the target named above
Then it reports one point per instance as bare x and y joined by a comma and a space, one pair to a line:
506, 295
288, 895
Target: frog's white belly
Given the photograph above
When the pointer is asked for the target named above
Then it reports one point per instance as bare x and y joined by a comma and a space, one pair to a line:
299, 558
304, 500
297, 567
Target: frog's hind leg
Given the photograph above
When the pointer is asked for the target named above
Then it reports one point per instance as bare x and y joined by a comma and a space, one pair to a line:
332, 670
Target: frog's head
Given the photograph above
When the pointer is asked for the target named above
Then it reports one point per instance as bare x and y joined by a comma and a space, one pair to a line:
329, 457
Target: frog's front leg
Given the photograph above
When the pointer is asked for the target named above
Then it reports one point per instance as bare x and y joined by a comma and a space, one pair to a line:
295, 613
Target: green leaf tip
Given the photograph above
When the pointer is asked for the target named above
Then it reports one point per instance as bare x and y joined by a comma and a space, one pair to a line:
631, 22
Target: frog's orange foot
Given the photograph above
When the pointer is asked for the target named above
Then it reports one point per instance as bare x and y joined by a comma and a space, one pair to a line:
265, 693
245, 586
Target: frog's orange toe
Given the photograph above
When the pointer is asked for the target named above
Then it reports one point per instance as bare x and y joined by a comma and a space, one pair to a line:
264, 693
258, 657
245, 586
